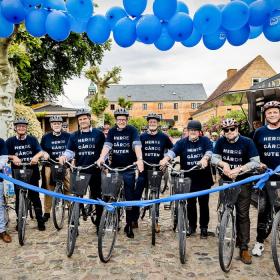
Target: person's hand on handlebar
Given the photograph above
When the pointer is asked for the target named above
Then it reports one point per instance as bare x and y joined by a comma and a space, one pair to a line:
140, 165
100, 161
164, 162
234, 173
226, 169
62, 159
35, 160
203, 163
16, 160
46, 156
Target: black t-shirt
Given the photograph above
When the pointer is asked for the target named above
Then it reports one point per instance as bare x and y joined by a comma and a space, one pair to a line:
3, 151
55, 145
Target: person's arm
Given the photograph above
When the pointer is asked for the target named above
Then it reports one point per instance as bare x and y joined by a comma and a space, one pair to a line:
108, 144
69, 153
137, 146
3, 154
208, 153
171, 154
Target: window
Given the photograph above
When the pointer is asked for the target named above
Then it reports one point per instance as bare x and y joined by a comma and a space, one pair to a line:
175, 106
257, 80
112, 107
197, 105
193, 105
228, 110
175, 118
144, 106
160, 106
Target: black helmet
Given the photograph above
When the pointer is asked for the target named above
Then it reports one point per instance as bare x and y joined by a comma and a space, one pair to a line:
83, 111
121, 112
153, 116
196, 125
56, 119
21, 120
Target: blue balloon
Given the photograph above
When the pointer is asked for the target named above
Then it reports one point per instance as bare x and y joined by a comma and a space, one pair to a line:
58, 26
148, 29
78, 25
13, 11
207, 19
165, 9
124, 32
31, 3
135, 7
215, 40
98, 29
6, 27
180, 27
80, 9
235, 15
193, 40
54, 5
114, 14
255, 31
271, 28
259, 12
165, 42
182, 7
35, 22
238, 37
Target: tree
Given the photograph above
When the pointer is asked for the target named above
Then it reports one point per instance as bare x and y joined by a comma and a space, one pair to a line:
126, 104
137, 122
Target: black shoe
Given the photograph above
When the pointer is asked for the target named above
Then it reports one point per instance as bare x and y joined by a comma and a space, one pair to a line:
135, 225
128, 230
204, 233
191, 232
41, 225
46, 217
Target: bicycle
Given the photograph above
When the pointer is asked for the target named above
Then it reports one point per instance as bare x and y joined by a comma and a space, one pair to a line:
7, 209
181, 185
78, 186
112, 190
273, 189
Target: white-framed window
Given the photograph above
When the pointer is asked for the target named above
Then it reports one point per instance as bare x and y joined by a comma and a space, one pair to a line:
257, 80
160, 106
193, 105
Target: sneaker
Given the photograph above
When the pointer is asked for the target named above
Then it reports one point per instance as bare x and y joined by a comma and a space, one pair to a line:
6, 237
258, 249
128, 230
245, 256
41, 225
157, 228
191, 232
46, 217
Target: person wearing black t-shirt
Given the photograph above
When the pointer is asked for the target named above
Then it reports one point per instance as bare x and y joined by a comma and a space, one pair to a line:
154, 144
85, 146
24, 148
124, 143
193, 150
54, 144
267, 140
236, 154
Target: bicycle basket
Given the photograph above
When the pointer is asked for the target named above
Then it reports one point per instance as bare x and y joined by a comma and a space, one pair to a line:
111, 184
58, 172
154, 179
79, 183
228, 196
23, 174
273, 190
182, 185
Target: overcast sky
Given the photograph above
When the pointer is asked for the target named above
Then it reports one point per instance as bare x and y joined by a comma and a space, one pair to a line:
144, 64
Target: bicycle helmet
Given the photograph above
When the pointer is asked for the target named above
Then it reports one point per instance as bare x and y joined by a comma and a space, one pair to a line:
21, 120
271, 104
153, 116
229, 122
81, 112
196, 125
56, 119
121, 112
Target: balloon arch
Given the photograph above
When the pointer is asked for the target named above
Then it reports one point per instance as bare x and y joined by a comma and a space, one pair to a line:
235, 22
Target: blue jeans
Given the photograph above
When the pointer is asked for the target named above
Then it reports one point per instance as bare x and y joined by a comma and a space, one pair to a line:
2, 216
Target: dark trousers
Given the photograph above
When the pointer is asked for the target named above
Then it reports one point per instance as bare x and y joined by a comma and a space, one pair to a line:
34, 197
242, 217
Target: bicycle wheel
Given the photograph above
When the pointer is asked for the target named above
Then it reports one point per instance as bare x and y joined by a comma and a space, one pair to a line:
174, 214
6, 213
31, 209
73, 228
107, 234
275, 242
22, 216
144, 197
153, 217
182, 230
164, 186
226, 240
58, 208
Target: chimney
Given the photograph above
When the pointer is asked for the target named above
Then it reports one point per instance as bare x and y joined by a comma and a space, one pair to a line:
231, 72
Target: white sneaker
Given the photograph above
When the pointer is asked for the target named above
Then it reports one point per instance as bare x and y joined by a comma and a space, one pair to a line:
258, 249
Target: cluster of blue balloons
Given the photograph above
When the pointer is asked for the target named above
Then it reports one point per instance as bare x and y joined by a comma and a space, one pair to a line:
235, 22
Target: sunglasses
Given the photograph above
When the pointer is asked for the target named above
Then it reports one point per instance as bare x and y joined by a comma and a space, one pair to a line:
226, 130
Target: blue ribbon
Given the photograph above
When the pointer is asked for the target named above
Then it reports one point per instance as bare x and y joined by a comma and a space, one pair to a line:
262, 178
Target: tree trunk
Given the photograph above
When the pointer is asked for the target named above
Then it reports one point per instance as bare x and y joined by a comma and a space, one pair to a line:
8, 85
100, 120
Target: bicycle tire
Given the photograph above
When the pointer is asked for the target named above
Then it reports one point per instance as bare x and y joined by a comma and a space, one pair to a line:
108, 227
164, 186
58, 208
144, 209
153, 216
31, 209
182, 230
73, 228
274, 238
22, 216
174, 215
227, 241
6, 213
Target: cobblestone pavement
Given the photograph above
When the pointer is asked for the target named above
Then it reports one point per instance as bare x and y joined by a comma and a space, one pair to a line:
43, 256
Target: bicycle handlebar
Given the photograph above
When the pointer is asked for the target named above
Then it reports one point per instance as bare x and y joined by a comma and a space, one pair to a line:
151, 164
118, 169
196, 167
253, 171
80, 168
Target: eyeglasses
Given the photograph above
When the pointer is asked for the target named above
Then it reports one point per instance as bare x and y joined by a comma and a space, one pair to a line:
226, 130
121, 120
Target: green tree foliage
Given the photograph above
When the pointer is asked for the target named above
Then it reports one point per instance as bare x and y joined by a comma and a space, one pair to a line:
98, 106
123, 103
137, 122
109, 118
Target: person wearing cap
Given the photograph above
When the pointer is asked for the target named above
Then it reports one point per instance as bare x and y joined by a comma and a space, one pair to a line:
214, 138
85, 146
235, 154
267, 140
124, 143
24, 148
154, 144
54, 144
193, 150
